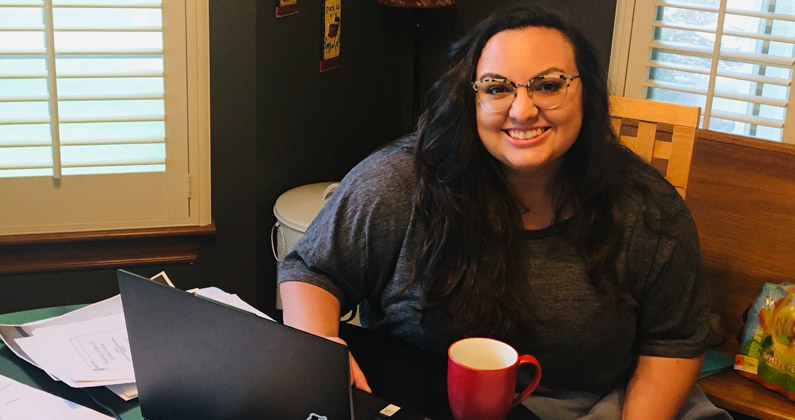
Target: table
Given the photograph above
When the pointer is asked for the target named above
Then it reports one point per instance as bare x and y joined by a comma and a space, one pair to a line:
396, 371
404, 374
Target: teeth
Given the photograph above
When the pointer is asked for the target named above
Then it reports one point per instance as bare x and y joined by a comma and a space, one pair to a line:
522, 134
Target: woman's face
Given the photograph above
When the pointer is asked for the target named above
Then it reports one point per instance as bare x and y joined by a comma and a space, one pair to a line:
525, 138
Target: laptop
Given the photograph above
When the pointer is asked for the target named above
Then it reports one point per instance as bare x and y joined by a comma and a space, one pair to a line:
197, 358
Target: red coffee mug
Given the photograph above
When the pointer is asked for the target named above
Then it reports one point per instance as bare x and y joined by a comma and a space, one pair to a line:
481, 378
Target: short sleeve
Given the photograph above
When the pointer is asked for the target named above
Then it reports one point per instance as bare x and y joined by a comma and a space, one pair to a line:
673, 301
351, 246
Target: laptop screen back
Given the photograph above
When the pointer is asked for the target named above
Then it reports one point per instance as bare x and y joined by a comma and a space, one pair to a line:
195, 358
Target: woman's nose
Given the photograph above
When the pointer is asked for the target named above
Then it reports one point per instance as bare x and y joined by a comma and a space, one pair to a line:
523, 108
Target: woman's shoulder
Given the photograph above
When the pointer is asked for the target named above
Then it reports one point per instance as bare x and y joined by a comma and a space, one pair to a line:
389, 169
393, 158
646, 191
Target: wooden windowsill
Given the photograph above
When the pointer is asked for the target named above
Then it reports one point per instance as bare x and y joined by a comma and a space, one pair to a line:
96, 249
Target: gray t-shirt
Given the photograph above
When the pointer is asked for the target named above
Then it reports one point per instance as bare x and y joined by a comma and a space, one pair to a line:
363, 244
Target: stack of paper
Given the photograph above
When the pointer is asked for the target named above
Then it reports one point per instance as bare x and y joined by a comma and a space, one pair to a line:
82, 354
89, 346
83, 348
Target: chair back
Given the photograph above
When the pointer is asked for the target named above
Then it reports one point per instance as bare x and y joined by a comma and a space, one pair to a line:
661, 133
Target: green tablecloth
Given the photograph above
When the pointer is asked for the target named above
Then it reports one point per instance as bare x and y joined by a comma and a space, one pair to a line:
15, 368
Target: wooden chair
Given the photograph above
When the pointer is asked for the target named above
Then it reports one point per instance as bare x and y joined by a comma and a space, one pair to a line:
661, 133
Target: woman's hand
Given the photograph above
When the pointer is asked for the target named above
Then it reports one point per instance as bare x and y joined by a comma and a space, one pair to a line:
314, 310
357, 376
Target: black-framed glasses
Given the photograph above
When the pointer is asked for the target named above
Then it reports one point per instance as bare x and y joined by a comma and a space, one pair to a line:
547, 91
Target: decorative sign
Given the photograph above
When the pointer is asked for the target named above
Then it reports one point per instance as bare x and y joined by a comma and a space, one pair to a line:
286, 8
330, 49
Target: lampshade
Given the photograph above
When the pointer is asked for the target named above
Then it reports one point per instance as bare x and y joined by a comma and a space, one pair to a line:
418, 4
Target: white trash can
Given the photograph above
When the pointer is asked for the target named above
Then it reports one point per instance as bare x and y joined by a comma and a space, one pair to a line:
294, 211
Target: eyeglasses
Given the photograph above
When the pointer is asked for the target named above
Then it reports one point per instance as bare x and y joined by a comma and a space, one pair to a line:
547, 92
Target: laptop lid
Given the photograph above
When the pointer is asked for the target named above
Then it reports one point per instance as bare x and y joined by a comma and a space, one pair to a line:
196, 358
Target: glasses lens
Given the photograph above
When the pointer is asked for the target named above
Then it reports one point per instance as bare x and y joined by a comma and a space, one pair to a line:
548, 91
495, 95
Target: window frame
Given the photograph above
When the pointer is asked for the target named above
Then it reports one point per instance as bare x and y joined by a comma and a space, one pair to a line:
170, 241
190, 178
627, 42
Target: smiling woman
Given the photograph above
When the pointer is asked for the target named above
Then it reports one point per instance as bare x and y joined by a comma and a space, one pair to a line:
525, 221
103, 115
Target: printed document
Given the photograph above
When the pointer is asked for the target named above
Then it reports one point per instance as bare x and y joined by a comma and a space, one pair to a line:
85, 352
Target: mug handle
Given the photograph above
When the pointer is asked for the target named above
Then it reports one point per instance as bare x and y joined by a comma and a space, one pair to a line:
527, 359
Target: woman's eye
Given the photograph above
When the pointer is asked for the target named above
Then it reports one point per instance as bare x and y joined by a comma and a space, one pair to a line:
548, 86
498, 89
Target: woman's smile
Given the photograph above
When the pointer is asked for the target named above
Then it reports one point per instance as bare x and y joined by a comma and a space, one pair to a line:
525, 133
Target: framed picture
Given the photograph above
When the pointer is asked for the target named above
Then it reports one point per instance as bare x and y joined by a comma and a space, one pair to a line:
330, 48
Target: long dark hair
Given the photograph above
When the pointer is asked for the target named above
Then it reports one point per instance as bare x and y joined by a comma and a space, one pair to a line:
468, 261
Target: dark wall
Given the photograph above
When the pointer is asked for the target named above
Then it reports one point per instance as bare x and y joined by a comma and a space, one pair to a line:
278, 123
314, 126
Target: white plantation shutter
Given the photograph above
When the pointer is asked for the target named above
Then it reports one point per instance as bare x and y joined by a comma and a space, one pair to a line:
732, 58
94, 114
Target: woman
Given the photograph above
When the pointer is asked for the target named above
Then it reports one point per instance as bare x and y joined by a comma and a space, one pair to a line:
514, 213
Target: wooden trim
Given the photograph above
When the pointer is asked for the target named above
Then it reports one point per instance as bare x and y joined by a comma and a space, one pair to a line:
734, 392
654, 111
105, 235
101, 249
749, 142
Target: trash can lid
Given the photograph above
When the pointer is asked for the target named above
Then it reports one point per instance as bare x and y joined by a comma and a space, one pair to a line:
296, 208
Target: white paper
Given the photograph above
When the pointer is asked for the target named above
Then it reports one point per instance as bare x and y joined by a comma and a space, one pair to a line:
36, 350
21, 402
93, 350
233, 300
10, 332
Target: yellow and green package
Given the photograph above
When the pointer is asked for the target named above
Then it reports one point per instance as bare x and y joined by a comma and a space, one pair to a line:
767, 352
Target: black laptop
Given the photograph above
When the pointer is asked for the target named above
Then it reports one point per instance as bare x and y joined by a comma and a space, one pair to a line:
196, 358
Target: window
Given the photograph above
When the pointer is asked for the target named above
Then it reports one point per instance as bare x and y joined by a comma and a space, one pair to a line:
732, 58
104, 114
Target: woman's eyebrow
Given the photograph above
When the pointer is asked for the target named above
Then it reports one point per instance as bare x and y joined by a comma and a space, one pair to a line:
492, 76
547, 71
541, 73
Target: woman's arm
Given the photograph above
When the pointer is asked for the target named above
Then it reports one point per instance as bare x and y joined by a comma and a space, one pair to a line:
659, 387
312, 309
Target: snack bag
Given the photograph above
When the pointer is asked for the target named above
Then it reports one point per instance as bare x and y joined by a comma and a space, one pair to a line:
767, 351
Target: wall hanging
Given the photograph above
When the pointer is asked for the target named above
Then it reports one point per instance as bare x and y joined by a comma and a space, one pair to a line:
286, 8
330, 44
